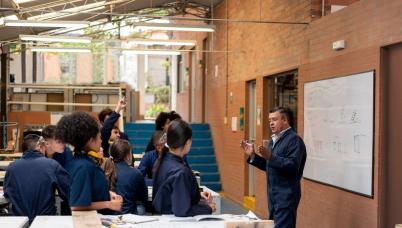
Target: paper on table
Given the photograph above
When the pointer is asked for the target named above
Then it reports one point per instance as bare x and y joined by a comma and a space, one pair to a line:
134, 219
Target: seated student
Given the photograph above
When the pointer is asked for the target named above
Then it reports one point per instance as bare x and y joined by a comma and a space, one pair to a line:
54, 147
148, 160
129, 183
89, 189
108, 119
175, 189
161, 123
56, 150
31, 181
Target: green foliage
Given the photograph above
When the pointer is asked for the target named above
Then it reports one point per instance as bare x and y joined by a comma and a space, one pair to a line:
154, 110
162, 94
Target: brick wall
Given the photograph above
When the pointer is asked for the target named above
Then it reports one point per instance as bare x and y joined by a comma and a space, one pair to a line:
257, 50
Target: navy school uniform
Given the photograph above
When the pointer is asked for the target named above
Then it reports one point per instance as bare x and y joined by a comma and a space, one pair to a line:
30, 185
148, 161
284, 170
175, 189
131, 186
63, 158
106, 132
88, 183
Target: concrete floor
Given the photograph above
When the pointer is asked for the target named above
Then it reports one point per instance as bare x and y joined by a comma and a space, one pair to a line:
230, 207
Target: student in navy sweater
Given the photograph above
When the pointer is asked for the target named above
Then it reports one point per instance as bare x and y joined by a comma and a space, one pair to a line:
108, 119
31, 181
175, 189
89, 189
129, 182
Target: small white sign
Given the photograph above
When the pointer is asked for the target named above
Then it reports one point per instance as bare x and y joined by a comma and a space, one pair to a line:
234, 123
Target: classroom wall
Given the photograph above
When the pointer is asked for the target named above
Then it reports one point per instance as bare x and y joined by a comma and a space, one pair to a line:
257, 50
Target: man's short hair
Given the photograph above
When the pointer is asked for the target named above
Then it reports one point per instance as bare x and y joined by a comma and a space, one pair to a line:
30, 142
285, 113
105, 112
49, 132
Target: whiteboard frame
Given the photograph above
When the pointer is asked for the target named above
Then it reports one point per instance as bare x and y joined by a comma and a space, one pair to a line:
371, 195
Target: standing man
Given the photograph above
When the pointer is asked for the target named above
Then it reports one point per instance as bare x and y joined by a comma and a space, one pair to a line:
283, 160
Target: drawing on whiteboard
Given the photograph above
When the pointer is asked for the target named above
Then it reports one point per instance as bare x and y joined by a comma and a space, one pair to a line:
338, 131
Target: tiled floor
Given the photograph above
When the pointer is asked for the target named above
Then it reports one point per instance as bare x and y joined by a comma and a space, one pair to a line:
230, 207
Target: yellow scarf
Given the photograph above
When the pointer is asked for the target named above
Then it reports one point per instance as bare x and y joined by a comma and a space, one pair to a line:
96, 157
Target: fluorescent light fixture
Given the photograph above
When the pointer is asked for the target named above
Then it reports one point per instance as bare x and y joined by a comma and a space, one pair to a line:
151, 52
56, 49
10, 17
70, 11
23, 1
173, 27
163, 42
47, 24
66, 39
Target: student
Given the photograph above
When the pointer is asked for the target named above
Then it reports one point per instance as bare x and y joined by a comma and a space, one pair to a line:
31, 181
89, 189
129, 182
55, 149
161, 123
149, 159
175, 189
109, 118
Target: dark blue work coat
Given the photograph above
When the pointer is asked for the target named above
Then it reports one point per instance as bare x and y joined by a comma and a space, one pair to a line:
284, 170
131, 186
175, 189
30, 185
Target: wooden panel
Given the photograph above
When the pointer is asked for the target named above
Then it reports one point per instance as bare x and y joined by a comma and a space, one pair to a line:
55, 97
83, 98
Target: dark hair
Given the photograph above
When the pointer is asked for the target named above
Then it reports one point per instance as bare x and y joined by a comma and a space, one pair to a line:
173, 115
49, 132
161, 120
156, 137
178, 133
285, 113
119, 150
77, 129
30, 142
104, 113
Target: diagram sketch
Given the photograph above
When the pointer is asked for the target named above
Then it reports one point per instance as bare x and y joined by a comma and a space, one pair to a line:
338, 131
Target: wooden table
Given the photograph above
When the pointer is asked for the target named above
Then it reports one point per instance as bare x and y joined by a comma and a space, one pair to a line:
14, 221
11, 155
4, 164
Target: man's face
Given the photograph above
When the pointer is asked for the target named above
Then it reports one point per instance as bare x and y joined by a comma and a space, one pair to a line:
54, 146
277, 123
115, 135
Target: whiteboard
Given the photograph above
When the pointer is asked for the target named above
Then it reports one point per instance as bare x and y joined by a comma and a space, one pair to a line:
338, 131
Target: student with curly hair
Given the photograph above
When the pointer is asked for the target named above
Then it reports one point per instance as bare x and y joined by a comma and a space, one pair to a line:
89, 189
175, 189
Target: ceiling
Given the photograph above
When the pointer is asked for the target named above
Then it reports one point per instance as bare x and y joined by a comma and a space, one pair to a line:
95, 10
